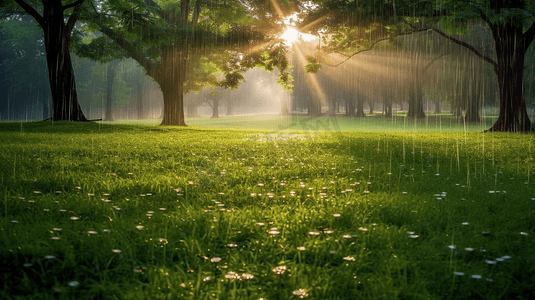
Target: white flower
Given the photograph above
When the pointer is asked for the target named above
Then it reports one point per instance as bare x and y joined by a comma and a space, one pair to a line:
301, 293
232, 275
215, 259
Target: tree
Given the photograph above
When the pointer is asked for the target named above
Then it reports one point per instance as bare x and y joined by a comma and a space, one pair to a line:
164, 36
510, 21
57, 36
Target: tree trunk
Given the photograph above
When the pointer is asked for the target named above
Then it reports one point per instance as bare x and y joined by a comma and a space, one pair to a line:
191, 109
437, 107
139, 103
60, 70
370, 103
109, 91
472, 112
350, 106
511, 46
314, 106
171, 79
416, 103
360, 108
215, 108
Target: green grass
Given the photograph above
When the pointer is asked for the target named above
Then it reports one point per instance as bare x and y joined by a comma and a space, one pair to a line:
432, 123
201, 193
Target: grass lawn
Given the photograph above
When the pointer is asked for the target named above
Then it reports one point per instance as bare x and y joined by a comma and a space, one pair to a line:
130, 211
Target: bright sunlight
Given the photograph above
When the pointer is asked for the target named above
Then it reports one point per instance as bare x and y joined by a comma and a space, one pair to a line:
290, 35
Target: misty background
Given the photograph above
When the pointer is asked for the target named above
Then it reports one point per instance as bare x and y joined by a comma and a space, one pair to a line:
450, 77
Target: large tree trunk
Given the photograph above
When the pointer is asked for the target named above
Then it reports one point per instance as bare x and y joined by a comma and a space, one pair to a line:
511, 46
171, 79
58, 58
173, 101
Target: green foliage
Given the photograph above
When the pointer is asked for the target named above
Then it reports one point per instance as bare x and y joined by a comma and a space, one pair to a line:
313, 65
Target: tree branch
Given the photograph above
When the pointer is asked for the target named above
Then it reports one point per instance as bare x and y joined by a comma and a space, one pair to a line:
432, 61
32, 12
134, 52
73, 18
530, 33
79, 2
468, 46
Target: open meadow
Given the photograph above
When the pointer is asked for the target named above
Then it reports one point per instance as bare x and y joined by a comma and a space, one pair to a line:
296, 208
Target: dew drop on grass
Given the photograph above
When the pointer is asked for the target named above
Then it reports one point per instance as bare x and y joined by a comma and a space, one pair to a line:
469, 249
524, 233
27, 265
349, 258
314, 233
301, 248
458, 273
74, 283
476, 276
140, 227
50, 257
452, 247
215, 259
490, 262
465, 223
336, 215
116, 251
55, 238
208, 278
